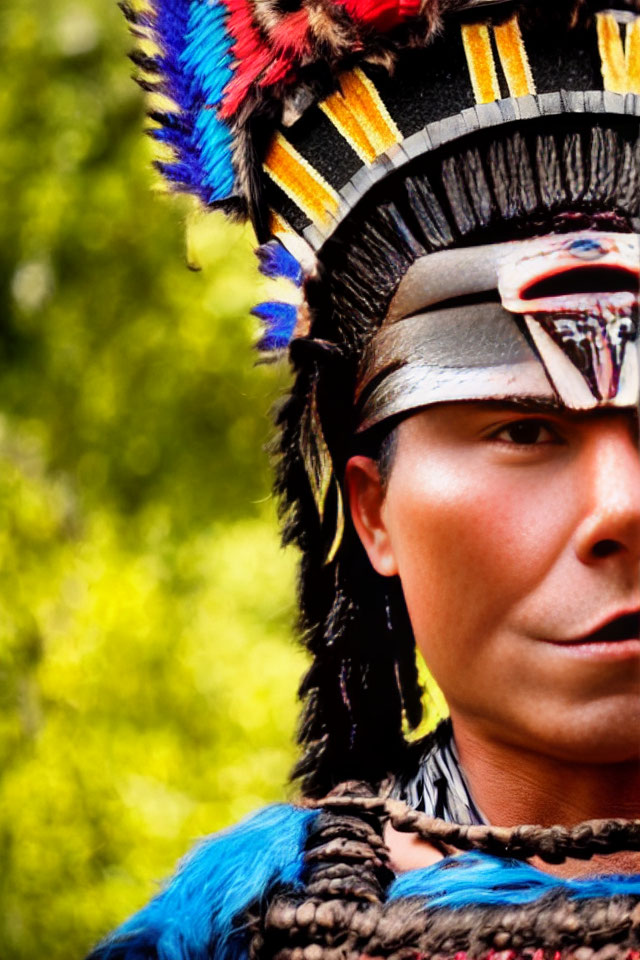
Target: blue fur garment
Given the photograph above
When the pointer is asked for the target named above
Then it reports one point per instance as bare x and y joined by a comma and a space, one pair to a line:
193, 917
477, 878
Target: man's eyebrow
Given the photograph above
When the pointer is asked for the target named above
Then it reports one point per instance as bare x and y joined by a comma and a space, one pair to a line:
539, 405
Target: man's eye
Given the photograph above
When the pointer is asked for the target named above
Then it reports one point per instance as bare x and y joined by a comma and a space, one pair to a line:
526, 433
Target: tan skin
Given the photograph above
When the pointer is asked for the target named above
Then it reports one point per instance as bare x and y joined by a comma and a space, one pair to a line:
516, 534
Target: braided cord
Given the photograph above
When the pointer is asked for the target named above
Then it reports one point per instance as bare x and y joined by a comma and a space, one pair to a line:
551, 844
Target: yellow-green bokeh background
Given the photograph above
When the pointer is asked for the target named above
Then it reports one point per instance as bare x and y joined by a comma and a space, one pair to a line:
147, 669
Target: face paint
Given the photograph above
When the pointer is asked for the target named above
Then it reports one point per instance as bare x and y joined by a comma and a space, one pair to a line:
563, 327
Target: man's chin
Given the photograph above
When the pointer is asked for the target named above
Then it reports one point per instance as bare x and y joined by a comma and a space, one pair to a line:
603, 733
572, 727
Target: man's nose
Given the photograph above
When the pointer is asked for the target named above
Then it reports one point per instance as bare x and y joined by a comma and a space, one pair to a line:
611, 523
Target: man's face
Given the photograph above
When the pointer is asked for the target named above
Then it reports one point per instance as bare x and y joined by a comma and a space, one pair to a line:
516, 536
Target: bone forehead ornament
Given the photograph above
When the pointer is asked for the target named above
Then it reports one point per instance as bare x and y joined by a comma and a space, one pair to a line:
562, 308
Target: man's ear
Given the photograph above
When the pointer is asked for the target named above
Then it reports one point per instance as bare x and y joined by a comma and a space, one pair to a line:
367, 500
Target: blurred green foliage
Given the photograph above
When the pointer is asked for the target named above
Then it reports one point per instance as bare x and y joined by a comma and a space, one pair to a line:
147, 677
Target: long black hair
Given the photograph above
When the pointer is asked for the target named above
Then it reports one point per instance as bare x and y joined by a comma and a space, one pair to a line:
361, 693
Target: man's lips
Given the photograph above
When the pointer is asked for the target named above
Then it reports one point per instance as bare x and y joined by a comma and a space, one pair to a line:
625, 626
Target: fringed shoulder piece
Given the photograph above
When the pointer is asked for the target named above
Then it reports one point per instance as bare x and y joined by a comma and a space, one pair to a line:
196, 916
483, 904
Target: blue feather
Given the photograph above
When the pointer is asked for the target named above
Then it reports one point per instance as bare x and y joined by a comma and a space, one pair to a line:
476, 878
195, 916
207, 59
195, 66
276, 261
280, 321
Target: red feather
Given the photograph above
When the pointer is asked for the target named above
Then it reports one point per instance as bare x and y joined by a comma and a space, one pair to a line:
291, 35
263, 62
251, 54
382, 14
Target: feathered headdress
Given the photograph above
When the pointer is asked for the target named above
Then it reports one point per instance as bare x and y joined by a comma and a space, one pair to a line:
289, 111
